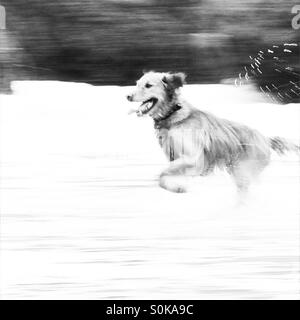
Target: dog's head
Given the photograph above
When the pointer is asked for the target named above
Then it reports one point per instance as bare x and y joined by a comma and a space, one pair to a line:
157, 92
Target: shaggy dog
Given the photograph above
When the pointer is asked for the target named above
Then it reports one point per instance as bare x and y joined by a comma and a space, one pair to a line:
196, 142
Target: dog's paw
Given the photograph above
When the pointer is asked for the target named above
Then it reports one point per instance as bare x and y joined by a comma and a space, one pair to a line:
169, 184
179, 190
174, 189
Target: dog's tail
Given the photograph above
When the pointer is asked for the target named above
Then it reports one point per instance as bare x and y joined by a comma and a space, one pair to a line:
281, 145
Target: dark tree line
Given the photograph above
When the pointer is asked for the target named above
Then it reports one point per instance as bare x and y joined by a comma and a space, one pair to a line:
112, 41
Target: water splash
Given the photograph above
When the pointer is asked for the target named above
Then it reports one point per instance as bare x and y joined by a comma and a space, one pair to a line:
275, 71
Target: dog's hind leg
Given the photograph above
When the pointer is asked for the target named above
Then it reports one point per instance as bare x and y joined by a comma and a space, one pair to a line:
242, 181
247, 171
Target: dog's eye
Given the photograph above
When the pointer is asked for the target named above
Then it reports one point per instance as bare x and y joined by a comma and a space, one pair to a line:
148, 85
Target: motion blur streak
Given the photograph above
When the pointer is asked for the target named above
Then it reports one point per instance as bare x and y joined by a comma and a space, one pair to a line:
111, 41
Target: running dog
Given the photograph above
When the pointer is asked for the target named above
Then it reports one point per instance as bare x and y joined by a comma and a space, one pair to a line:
196, 142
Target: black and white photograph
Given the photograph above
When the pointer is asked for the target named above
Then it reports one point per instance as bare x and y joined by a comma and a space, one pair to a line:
149, 150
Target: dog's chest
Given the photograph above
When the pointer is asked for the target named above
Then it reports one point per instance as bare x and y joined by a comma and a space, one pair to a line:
172, 142
162, 135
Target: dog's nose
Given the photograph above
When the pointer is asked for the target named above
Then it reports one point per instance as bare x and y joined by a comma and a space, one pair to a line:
129, 97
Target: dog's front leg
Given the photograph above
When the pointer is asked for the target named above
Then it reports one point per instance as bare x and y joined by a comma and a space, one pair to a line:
173, 178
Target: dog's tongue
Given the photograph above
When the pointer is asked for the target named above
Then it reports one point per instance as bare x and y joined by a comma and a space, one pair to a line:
131, 111
138, 112
142, 110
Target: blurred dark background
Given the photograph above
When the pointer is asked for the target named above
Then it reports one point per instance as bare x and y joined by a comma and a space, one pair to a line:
110, 42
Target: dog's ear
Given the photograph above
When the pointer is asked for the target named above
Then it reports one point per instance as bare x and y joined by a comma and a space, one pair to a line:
174, 80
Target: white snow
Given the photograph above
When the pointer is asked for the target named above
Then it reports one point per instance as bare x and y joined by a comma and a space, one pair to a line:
82, 216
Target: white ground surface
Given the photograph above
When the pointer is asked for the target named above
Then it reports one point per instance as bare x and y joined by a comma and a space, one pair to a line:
82, 216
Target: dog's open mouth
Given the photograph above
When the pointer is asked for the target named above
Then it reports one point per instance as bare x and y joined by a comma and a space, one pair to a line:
146, 106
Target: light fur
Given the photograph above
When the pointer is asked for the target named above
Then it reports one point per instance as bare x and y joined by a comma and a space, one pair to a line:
196, 142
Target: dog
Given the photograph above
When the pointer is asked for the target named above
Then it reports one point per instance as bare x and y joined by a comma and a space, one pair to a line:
196, 142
